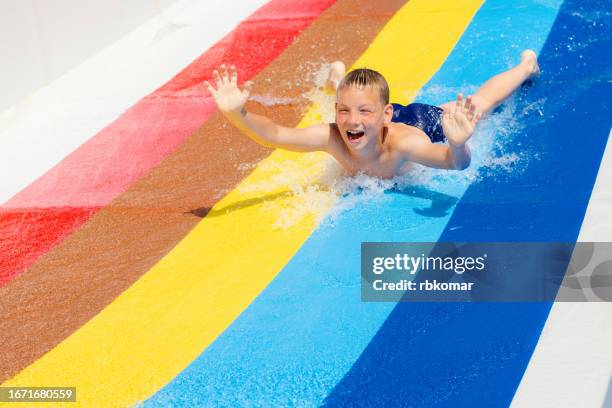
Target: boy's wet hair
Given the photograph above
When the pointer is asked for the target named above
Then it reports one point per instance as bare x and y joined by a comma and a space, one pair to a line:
363, 77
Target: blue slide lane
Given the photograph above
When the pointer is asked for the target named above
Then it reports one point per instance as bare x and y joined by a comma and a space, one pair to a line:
305, 332
478, 355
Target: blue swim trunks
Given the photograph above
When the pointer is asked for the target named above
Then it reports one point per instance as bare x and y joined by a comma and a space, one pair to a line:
428, 118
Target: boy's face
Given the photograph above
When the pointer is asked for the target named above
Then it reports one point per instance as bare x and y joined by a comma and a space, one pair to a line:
361, 116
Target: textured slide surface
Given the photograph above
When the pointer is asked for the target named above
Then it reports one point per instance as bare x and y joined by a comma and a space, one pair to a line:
170, 261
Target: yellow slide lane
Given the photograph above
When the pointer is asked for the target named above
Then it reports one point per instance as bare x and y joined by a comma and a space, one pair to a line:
172, 313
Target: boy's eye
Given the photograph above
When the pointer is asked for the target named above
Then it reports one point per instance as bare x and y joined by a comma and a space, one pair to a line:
366, 111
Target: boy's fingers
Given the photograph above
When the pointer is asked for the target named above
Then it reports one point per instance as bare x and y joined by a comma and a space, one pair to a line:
471, 111
224, 73
468, 103
246, 91
233, 75
217, 78
459, 104
473, 119
209, 87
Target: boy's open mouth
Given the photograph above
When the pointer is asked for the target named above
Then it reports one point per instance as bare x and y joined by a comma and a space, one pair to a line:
354, 136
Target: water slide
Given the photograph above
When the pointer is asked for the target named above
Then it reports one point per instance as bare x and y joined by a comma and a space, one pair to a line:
151, 255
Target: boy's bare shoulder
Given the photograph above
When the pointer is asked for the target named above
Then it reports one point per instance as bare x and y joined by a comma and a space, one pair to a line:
404, 138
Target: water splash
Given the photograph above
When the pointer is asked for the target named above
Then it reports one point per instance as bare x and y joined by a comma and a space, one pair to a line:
271, 100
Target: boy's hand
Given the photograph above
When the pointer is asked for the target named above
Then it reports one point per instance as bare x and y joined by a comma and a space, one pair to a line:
459, 120
228, 97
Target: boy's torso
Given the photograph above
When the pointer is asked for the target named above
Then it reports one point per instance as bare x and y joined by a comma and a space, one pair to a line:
389, 163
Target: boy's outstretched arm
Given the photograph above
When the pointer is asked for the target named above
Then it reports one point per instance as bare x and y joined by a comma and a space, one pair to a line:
435, 155
231, 102
458, 123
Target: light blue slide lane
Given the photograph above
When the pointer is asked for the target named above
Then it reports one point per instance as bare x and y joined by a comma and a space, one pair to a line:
299, 338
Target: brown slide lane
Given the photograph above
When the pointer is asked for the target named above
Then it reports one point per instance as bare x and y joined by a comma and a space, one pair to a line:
69, 285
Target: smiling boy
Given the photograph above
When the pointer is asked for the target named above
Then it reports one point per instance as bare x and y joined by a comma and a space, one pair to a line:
370, 134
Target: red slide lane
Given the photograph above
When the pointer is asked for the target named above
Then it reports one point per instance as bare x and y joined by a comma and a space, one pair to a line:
57, 203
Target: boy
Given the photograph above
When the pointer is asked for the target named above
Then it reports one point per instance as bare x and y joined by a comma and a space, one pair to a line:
371, 135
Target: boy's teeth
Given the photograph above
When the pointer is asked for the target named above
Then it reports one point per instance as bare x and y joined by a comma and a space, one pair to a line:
354, 135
